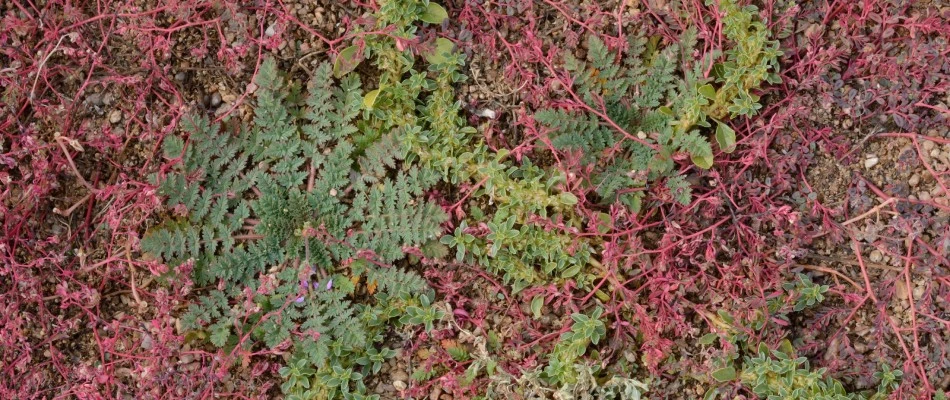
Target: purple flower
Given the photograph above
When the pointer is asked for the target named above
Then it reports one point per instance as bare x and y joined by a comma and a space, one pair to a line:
330, 284
299, 300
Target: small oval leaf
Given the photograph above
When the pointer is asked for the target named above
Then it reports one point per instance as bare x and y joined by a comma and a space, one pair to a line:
726, 137
724, 374
434, 14
536, 305
370, 99
438, 55
346, 61
708, 338
570, 272
708, 91
568, 198
701, 161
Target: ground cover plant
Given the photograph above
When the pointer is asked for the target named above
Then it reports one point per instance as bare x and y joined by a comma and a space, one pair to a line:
563, 199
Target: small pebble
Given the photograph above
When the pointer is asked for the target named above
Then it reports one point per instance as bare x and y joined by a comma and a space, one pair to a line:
115, 116
95, 99
928, 145
914, 180
147, 342
876, 256
923, 196
918, 292
270, 31
318, 15
399, 375
871, 161
399, 385
215, 99
180, 77
486, 113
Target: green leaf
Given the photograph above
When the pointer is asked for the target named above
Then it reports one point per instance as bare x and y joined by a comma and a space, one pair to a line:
370, 99
536, 305
726, 137
724, 374
568, 199
434, 14
708, 91
604, 222
571, 271
708, 338
704, 162
346, 61
442, 48
220, 336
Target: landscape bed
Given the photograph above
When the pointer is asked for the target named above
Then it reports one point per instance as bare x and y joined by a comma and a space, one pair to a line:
466, 199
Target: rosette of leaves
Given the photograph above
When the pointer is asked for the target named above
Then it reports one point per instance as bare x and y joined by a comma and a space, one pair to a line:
300, 233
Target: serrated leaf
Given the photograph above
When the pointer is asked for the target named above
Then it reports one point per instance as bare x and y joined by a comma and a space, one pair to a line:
434, 14
438, 54
370, 99
346, 61
724, 374
726, 137
708, 91
220, 336
536, 305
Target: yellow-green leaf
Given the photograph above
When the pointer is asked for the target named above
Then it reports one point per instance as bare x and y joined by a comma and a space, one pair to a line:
536, 305
573, 270
568, 198
708, 91
604, 222
701, 161
346, 61
443, 47
724, 374
370, 99
726, 137
785, 347
435, 14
